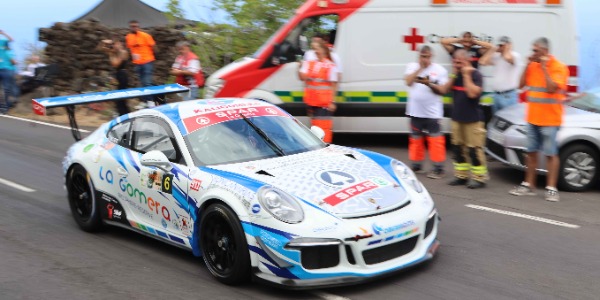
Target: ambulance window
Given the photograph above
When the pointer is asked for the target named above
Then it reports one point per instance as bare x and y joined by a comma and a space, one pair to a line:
298, 39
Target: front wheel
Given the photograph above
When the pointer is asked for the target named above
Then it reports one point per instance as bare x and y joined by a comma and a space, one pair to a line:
82, 200
224, 245
578, 168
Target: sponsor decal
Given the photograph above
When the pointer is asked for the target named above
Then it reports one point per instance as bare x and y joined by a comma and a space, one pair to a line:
156, 180
106, 176
355, 190
196, 184
113, 213
385, 230
198, 122
109, 209
270, 240
256, 208
335, 178
325, 228
88, 148
164, 223
184, 225
153, 205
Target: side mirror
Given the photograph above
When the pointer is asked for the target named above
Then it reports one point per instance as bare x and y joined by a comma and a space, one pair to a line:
156, 159
318, 132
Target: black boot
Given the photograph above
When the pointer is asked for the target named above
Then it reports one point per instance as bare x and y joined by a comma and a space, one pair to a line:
474, 184
457, 181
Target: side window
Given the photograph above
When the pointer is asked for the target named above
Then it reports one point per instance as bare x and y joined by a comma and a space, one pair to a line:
119, 134
298, 39
153, 134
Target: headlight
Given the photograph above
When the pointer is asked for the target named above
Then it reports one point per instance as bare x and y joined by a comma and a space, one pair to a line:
213, 86
280, 205
405, 174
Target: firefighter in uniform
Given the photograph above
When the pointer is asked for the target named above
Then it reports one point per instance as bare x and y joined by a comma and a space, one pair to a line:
468, 131
425, 109
321, 78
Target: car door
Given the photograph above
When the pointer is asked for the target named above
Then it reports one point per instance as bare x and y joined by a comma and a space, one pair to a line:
163, 195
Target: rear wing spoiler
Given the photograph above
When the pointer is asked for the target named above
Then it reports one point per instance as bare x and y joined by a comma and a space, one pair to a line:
41, 105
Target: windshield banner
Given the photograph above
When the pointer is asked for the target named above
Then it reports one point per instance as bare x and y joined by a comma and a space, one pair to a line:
40, 105
231, 112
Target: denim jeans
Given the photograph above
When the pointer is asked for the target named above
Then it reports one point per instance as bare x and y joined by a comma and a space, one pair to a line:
502, 100
144, 73
7, 80
542, 138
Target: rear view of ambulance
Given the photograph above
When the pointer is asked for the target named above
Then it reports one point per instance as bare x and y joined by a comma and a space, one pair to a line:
376, 39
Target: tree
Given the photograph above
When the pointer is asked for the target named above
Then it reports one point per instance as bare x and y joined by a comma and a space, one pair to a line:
174, 11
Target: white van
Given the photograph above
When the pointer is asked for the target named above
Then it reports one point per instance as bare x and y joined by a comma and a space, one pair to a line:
376, 39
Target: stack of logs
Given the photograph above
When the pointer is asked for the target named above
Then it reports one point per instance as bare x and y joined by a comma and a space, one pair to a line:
73, 47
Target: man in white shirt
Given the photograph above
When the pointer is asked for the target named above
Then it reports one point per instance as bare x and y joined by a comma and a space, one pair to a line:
507, 72
425, 109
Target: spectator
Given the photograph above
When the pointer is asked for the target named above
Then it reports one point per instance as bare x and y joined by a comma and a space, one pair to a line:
142, 48
118, 57
34, 63
468, 132
310, 55
7, 72
321, 78
187, 70
425, 109
507, 64
477, 49
546, 81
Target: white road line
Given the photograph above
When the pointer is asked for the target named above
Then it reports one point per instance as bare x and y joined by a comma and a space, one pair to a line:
42, 123
328, 296
524, 216
16, 186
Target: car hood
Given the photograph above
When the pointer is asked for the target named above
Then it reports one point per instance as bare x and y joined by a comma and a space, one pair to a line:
573, 117
340, 180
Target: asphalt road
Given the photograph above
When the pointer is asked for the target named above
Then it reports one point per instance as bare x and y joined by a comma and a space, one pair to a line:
484, 254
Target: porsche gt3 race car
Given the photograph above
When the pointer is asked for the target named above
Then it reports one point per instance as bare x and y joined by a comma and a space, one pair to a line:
254, 192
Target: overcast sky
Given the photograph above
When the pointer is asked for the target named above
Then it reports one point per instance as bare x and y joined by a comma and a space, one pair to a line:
22, 18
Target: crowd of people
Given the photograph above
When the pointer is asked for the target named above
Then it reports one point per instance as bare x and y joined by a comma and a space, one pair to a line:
544, 79
137, 48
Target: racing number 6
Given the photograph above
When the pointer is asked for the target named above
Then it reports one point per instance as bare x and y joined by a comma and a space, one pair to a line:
166, 185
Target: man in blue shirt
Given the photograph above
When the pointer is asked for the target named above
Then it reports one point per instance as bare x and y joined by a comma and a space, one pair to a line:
7, 71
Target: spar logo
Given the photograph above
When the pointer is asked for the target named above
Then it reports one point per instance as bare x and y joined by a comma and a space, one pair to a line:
203, 121
378, 229
153, 205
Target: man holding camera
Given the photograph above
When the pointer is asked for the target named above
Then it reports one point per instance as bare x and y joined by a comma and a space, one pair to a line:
118, 57
545, 79
425, 109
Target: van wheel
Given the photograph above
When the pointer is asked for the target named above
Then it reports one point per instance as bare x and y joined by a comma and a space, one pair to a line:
578, 168
224, 245
82, 200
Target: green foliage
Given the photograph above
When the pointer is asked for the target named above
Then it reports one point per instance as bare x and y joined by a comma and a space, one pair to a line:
174, 11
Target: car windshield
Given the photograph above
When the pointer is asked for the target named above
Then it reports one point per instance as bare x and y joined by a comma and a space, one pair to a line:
589, 101
237, 141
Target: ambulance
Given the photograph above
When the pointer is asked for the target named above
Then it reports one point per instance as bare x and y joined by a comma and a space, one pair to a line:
376, 39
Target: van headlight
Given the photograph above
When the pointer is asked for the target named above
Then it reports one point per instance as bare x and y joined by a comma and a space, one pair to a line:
280, 205
405, 174
213, 86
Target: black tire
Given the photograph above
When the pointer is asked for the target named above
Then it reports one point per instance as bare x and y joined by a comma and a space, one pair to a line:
82, 200
224, 246
579, 168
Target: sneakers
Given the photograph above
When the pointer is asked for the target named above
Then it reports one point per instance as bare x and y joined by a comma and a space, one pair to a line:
417, 169
552, 194
436, 174
522, 189
474, 184
457, 181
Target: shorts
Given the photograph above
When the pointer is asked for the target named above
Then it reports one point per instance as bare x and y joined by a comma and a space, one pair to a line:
542, 138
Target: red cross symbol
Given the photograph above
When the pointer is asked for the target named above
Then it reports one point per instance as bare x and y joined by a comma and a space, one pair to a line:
414, 39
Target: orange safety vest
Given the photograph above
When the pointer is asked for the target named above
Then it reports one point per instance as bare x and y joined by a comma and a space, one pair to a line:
544, 108
319, 89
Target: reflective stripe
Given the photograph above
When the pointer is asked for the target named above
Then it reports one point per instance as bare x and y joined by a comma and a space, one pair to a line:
462, 166
543, 100
459, 88
318, 87
319, 80
537, 89
479, 170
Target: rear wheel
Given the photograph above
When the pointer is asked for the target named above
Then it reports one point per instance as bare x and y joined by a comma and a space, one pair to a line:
82, 200
224, 245
578, 168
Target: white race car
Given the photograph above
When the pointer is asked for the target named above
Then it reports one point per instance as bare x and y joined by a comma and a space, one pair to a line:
254, 192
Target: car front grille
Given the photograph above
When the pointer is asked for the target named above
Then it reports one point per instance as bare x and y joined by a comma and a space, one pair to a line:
495, 148
320, 257
389, 252
429, 226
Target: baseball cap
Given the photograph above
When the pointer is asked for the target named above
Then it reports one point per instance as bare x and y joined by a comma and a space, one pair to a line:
503, 40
